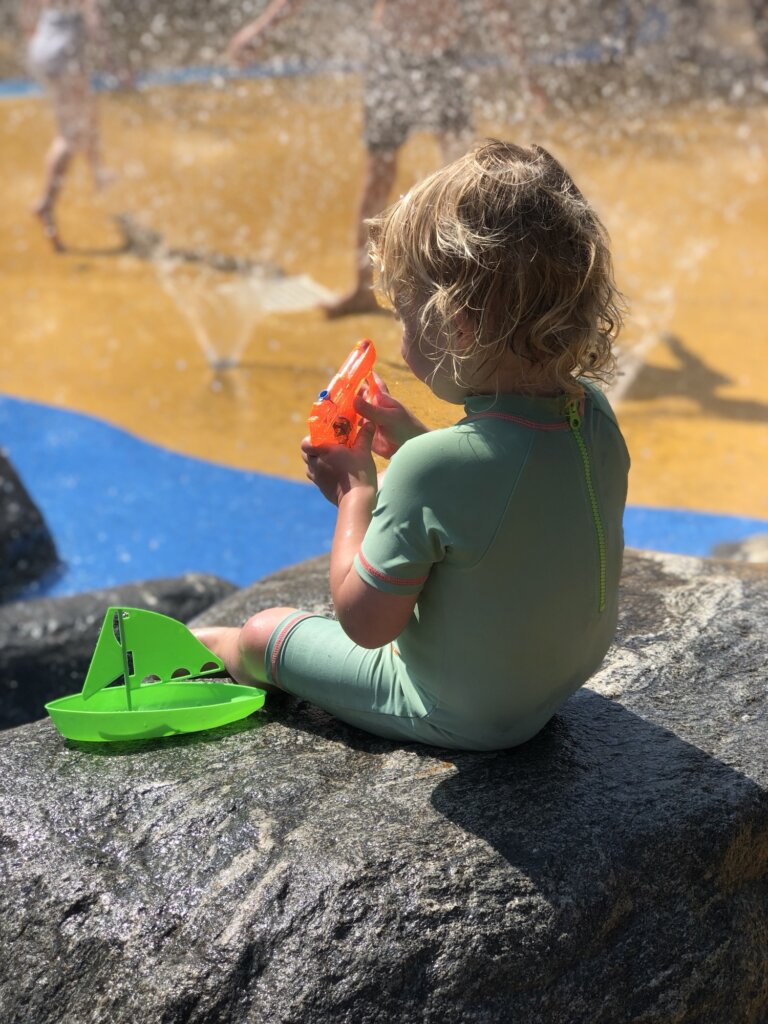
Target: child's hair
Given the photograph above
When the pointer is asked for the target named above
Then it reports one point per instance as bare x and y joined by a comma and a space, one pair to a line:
504, 237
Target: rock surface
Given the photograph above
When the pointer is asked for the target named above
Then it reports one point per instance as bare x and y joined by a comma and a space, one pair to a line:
300, 586
27, 550
290, 869
46, 644
752, 549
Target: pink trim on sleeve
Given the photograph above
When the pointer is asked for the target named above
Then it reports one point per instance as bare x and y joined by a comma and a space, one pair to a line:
385, 577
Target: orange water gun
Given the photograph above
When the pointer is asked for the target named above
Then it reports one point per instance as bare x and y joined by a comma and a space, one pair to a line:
332, 418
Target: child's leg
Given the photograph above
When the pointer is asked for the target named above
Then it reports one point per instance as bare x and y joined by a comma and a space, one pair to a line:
66, 92
312, 658
77, 115
242, 650
379, 176
56, 163
92, 140
454, 144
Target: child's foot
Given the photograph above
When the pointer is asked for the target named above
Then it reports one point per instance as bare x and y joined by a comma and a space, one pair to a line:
360, 300
44, 214
223, 642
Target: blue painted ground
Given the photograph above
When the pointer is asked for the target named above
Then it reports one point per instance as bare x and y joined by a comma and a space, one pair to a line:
122, 509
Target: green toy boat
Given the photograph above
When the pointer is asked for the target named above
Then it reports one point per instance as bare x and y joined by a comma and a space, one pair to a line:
150, 677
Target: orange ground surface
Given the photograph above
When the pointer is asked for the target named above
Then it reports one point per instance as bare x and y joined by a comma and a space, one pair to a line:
268, 170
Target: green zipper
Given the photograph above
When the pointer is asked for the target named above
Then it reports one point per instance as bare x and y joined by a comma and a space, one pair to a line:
574, 421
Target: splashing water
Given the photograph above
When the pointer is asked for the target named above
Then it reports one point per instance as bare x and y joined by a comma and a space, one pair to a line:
224, 309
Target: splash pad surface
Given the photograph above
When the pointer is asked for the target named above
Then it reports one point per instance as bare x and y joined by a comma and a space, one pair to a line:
198, 469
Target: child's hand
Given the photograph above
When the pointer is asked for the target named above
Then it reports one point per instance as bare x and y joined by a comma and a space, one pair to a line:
393, 422
336, 469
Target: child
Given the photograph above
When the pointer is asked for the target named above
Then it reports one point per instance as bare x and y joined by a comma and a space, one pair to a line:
57, 54
477, 589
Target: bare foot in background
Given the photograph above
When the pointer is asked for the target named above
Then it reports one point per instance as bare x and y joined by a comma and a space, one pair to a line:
360, 300
44, 214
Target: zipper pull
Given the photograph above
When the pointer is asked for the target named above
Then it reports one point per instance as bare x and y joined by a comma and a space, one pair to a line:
572, 412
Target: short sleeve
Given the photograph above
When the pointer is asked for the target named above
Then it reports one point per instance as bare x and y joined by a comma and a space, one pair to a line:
599, 399
405, 537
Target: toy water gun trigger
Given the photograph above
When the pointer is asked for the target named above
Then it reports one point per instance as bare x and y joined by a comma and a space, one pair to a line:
333, 418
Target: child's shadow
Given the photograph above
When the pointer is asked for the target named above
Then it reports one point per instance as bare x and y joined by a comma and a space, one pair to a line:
600, 793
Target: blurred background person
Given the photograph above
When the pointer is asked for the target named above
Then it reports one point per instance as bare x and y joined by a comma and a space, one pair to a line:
63, 38
415, 77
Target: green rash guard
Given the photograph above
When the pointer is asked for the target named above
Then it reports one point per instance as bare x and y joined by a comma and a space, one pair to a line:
508, 526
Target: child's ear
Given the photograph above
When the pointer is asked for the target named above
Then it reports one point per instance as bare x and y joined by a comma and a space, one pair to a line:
465, 329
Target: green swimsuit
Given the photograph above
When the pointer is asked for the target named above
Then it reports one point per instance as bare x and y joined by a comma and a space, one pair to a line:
508, 526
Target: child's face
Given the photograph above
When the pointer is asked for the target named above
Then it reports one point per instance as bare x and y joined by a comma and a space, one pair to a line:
422, 355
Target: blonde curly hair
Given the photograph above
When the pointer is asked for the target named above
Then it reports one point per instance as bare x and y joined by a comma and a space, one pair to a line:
504, 237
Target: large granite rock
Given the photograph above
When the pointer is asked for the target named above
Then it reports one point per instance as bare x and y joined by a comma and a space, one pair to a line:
751, 549
300, 586
290, 869
46, 644
27, 550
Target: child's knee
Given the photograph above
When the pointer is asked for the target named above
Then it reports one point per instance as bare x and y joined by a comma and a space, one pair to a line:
62, 148
255, 634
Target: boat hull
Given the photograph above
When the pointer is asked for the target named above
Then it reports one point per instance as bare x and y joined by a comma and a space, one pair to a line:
166, 709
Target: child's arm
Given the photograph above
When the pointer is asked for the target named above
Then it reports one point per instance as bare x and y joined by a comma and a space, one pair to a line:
347, 477
369, 617
248, 35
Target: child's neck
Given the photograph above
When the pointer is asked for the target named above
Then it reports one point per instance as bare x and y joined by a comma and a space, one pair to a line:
515, 376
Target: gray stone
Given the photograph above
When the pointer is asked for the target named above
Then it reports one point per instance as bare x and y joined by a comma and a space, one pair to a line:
46, 644
289, 869
299, 586
27, 550
751, 549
